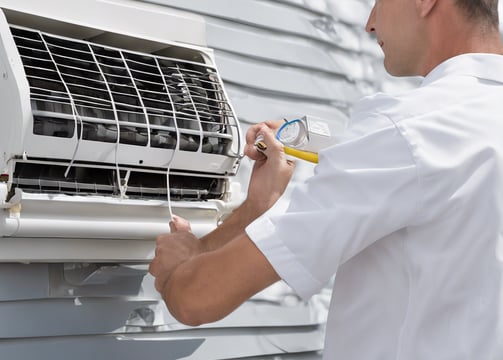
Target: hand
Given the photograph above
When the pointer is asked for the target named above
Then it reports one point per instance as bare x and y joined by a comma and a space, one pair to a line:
272, 170
252, 134
172, 250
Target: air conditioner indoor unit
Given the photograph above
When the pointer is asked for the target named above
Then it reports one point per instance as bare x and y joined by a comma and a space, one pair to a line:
108, 127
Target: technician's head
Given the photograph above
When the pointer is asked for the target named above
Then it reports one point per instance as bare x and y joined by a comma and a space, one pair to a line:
416, 35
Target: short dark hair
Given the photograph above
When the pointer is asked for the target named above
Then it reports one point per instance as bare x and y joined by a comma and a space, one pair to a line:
481, 10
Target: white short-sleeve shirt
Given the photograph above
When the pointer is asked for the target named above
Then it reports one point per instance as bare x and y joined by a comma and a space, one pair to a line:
407, 211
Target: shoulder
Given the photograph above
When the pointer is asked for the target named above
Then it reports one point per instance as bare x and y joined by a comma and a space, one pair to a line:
373, 113
380, 111
393, 106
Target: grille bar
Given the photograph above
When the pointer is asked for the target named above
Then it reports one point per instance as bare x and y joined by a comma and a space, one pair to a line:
155, 101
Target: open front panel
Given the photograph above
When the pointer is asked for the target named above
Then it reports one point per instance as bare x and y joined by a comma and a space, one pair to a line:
98, 93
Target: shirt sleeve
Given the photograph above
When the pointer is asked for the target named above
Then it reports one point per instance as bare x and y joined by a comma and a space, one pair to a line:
363, 189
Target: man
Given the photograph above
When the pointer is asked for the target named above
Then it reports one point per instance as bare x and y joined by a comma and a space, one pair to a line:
406, 210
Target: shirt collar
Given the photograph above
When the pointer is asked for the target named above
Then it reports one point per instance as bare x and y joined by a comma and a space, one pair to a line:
482, 66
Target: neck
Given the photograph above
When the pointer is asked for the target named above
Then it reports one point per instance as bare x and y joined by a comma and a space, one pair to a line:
458, 36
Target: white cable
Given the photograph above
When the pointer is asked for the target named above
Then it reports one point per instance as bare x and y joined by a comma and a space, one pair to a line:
76, 117
78, 140
177, 146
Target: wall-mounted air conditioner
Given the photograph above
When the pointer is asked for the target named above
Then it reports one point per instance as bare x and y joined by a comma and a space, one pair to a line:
104, 133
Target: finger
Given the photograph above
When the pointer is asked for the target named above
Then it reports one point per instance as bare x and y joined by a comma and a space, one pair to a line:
251, 134
264, 138
178, 223
250, 149
152, 268
268, 144
268, 137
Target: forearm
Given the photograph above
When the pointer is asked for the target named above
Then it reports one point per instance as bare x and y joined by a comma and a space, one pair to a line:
194, 292
211, 285
232, 227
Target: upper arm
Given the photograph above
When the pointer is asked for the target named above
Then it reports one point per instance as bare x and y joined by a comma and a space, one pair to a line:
213, 284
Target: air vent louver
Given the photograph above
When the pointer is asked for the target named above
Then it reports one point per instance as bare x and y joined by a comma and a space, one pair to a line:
124, 111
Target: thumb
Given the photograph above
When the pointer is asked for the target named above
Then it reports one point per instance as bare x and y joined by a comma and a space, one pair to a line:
179, 224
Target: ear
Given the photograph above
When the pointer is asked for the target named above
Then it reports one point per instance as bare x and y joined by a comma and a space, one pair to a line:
424, 7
